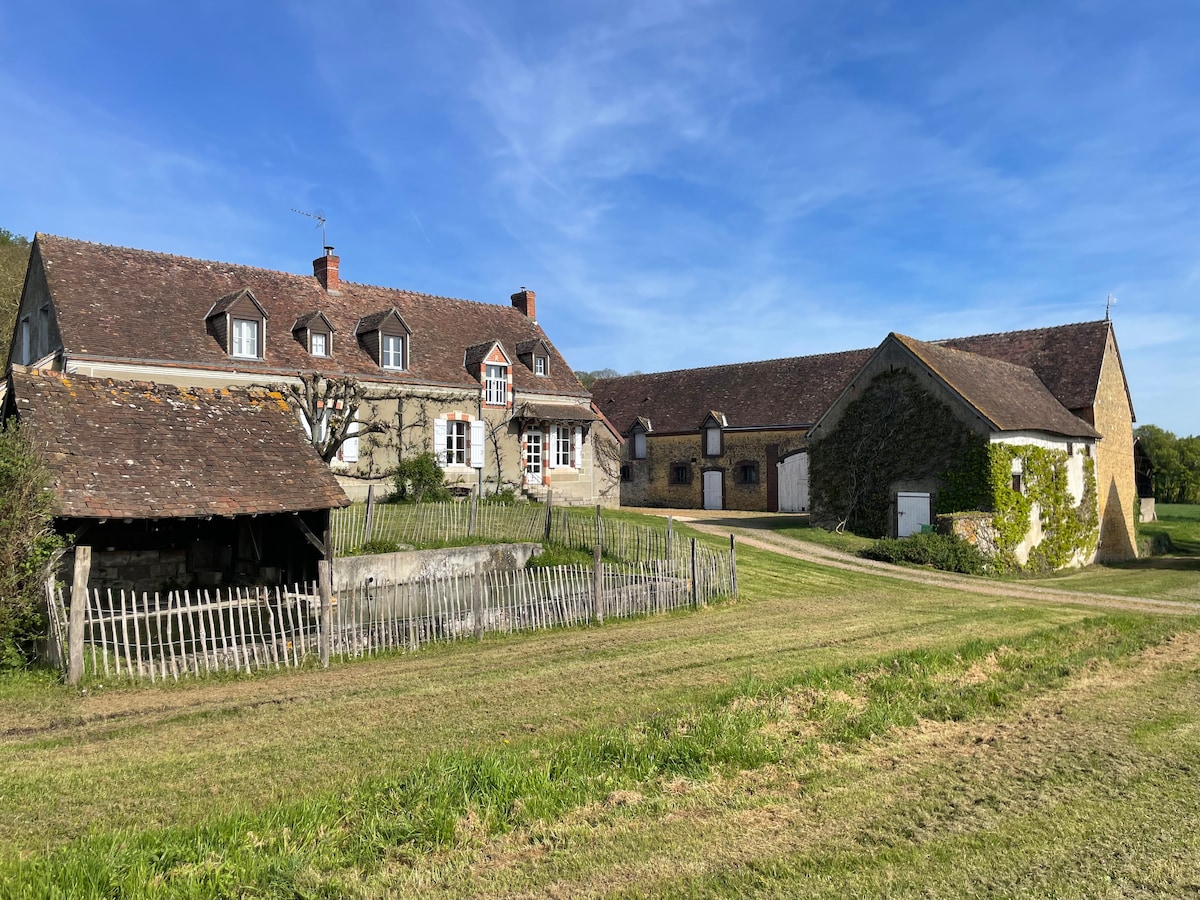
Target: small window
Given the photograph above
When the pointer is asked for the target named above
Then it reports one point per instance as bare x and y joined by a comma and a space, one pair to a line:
496, 385
391, 350
681, 474
245, 338
639, 445
1016, 482
539, 365
1087, 449
712, 441
748, 473
318, 344
625, 476
458, 443
26, 348
1070, 449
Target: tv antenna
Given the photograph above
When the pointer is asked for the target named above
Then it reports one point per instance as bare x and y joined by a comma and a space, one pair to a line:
1108, 305
320, 217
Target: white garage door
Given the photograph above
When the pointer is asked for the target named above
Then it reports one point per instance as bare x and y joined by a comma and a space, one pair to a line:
793, 483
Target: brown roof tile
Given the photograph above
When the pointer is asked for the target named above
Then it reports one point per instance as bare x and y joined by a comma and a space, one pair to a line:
148, 451
1067, 358
1010, 396
792, 391
105, 296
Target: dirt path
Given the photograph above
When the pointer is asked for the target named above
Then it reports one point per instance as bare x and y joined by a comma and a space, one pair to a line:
753, 529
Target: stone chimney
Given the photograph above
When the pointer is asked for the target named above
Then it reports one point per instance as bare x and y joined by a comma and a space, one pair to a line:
326, 269
524, 301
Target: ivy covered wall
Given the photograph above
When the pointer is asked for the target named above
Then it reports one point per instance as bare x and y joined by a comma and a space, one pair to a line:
898, 435
894, 432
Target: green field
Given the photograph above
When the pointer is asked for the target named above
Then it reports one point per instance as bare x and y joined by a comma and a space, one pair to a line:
830, 734
1174, 575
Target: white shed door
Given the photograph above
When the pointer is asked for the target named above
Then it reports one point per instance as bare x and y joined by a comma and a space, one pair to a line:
793, 483
713, 483
912, 511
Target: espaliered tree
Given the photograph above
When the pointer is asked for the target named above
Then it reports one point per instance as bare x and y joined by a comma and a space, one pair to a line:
329, 408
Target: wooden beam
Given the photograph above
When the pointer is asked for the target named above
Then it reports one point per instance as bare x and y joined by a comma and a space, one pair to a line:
312, 538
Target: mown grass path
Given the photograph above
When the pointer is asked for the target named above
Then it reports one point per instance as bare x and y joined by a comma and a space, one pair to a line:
764, 538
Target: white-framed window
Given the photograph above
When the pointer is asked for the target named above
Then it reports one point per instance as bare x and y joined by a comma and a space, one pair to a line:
496, 385
391, 351
318, 344
639, 445
245, 338
566, 446
348, 452
539, 365
459, 442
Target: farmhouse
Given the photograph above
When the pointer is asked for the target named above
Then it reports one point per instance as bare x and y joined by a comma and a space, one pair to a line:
178, 487
722, 437
480, 384
737, 436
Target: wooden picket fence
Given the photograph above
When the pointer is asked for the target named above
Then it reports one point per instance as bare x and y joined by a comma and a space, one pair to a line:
166, 636
575, 527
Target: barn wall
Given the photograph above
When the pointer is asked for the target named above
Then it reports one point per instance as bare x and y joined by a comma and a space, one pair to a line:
1116, 486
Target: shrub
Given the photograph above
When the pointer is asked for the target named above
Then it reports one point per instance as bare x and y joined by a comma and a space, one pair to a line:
420, 479
942, 551
505, 497
28, 547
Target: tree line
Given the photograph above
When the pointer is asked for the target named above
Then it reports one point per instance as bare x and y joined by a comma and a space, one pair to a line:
1174, 462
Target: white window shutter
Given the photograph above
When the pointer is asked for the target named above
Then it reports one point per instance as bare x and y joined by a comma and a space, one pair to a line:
554, 446
350, 445
304, 424
477, 444
439, 440
577, 448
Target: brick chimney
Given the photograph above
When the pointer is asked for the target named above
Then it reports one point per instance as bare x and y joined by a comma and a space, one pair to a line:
326, 269
524, 301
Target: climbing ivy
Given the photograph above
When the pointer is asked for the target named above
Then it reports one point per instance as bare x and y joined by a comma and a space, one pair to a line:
896, 432
1067, 529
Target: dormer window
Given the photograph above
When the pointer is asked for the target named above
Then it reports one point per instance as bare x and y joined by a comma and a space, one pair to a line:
392, 351
386, 337
710, 428
245, 338
496, 385
637, 435
534, 354
314, 333
239, 324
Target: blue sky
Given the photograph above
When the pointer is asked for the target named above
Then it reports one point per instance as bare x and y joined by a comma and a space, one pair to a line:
683, 183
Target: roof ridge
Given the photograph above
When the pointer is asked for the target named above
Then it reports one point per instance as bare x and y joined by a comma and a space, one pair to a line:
966, 337
236, 265
754, 362
991, 360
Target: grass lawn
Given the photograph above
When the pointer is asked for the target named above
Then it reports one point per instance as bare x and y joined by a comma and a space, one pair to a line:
1172, 576
832, 734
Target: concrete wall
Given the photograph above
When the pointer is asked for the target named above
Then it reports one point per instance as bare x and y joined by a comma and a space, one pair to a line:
415, 565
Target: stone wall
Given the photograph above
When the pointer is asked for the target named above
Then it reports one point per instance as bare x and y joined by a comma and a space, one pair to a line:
652, 480
1115, 486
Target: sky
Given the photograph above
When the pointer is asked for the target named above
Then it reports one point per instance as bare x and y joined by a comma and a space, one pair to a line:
683, 183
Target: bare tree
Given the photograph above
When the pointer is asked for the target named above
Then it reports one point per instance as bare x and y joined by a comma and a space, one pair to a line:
329, 408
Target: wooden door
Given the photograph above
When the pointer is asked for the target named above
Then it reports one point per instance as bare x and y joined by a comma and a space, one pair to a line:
912, 512
793, 483
714, 489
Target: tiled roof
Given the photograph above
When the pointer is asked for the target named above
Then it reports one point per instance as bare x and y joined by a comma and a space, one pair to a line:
145, 451
1011, 397
556, 412
1067, 358
793, 391
104, 298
